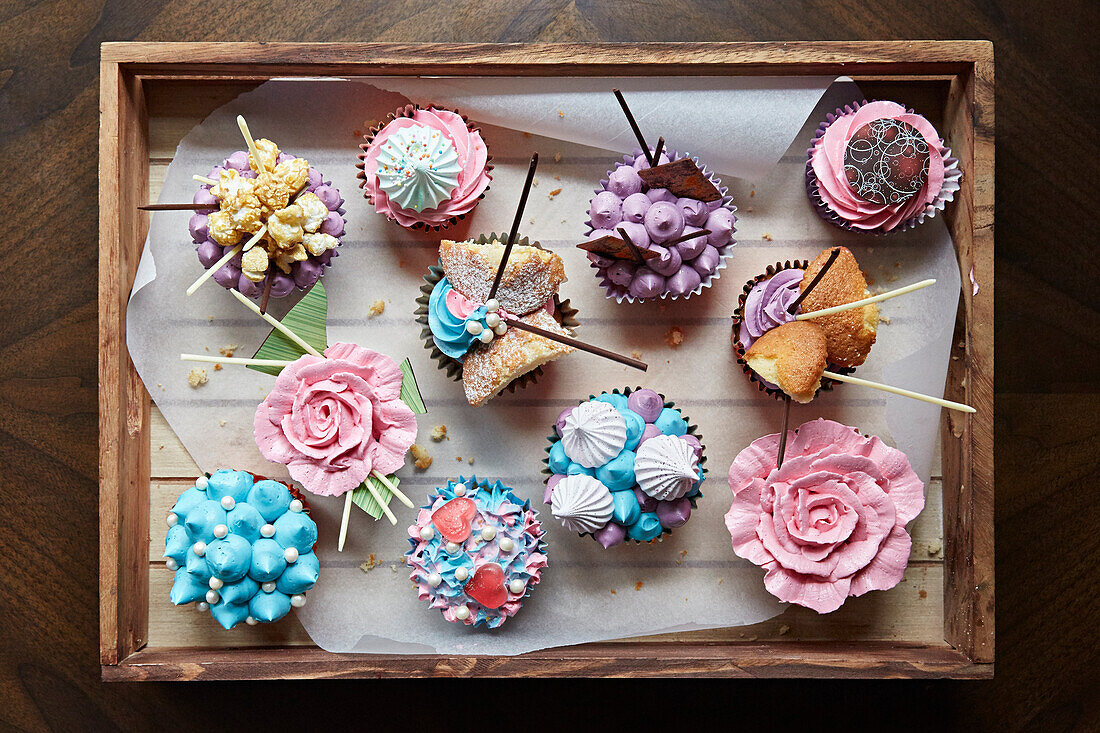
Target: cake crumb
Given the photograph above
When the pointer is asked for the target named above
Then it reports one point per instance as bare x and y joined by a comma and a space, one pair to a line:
922, 594
720, 581
470, 460
527, 134
222, 423
217, 367
935, 546
614, 592
535, 182
369, 565
892, 278
674, 336
557, 178
766, 236
784, 629
228, 351
160, 447
752, 193
458, 458
439, 433
376, 308
635, 354
196, 377
393, 567
749, 209
553, 193
560, 113
422, 456
884, 319
557, 159
638, 585
210, 318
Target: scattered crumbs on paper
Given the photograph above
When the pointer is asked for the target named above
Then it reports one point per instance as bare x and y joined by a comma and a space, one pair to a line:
614, 592
376, 308
766, 236
160, 385
922, 594
674, 336
369, 565
196, 377
401, 264
635, 354
638, 585
210, 318
530, 221
393, 567
784, 629
422, 456
560, 113
206, 348
752, 192
935, 546
458, 458
749, 209
891, 278
160, 447
973, 283
439, 432
563, 221
227, 351
357, 133
557, 159
535, 182
720, 581
557, 178
553, 193
222, 423
470, 460
884, 319
217, 367
897, 265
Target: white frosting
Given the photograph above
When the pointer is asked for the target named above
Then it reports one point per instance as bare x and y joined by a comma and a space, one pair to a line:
665, 467
581, 503
418, 167
593, 434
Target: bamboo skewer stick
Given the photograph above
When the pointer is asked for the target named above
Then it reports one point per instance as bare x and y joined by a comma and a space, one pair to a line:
204, 179
381, 502
250, 142
234, 360
865, 301
570, 341
899, 391
277, 324
214, 268
345, 517
392, 487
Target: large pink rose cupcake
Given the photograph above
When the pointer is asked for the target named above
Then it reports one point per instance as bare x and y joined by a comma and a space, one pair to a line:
831, 522
878, 167
425, 168
333, 420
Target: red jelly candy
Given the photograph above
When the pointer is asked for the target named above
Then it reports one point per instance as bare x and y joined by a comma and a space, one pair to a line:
487, 586
453, 519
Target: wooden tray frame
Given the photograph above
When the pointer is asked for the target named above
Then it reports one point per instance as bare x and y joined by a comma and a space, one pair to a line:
124, 403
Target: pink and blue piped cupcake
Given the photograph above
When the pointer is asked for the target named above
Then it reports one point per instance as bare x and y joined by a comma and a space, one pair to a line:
477, 551
623, 465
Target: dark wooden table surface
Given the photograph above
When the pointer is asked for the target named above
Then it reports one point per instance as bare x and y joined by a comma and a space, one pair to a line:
1048, 522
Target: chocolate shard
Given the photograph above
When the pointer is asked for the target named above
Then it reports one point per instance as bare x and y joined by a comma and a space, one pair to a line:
683, 179
614, 248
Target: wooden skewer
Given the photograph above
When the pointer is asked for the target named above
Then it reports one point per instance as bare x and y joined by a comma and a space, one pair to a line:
783, 435
344, 518
178, 207
865, 301
570, 341
234, 360
204, 179
392, 487
269, 280
378, 497
214, 268
657, 150
515, 226
634, 126
793, 307
633, 247
899, 391
251, 143
277, 324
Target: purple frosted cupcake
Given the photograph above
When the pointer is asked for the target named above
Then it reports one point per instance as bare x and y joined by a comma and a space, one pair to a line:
302, 216
660, 222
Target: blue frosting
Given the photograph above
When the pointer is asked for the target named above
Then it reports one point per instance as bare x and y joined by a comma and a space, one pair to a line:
670, 422
646, 528
627, 509
558, 460
448, 330
618, 473
241, 561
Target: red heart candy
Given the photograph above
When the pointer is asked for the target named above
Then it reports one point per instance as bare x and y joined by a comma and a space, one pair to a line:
487, 586
453, 519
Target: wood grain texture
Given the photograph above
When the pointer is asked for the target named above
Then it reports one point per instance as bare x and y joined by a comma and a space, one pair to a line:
1045, 428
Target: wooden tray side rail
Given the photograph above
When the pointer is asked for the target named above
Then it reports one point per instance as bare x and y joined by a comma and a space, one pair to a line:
966, 67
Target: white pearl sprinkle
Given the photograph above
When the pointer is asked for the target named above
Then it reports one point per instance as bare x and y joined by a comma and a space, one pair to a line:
298, 600
212, 596
202, 606
201, 483
290, 554
268, 530
516, 586
172, 519
488, 534
506, 544
452, 547
460, 490
492, 305
221, 531
426, 533
269, 586
461, 573
250, 621
485, 336
296, 505
473, 328
171, 564
501, 329
216, 583
228, 502
199, 548
435, 579
492, 320
462, 613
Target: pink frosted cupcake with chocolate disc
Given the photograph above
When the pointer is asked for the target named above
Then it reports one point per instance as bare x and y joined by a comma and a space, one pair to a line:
878, 167
424, 168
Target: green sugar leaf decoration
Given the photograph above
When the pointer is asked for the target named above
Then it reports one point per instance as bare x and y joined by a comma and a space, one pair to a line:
363, 499
307, 319
410, 392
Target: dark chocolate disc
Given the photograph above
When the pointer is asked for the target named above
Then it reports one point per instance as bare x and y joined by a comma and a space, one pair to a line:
886, 161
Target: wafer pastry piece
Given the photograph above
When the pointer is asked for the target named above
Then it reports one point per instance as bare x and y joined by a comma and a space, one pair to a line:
489, 369
530, 278
792, 357
848, 334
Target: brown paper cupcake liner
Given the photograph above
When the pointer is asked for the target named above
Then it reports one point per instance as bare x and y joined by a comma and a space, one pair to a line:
564, 312
407, 111
739, 317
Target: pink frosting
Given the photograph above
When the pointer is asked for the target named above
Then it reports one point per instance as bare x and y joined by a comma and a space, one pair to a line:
472, 181
333, 420
827, 160
831, 522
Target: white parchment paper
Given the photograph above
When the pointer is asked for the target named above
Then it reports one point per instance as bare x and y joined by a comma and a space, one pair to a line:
690, 580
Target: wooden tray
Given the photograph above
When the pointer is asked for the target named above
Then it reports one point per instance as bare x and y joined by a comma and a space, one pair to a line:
938, 622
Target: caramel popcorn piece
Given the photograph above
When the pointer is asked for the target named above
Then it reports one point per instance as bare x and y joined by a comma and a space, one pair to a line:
272, 192
314, 210
294, 173
268, 151
222, 230
674, 336
285, 226
285, 258
196, 377
254, 264
234, 191
246, 219
318, 243
439, 432
422, 457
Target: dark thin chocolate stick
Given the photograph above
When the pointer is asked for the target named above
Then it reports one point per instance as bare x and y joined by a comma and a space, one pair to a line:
177, 207
783, 435
634, 127
570, 341
515, 226
813, 283
268, 282
686, 237
657, 150
633, 247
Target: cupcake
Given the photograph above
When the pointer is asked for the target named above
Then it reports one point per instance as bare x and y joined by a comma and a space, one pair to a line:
424, 167
301, 213
476, 552
623, 465
468, 337
831, 522
878, 167
784, 356
241, 546
657, 220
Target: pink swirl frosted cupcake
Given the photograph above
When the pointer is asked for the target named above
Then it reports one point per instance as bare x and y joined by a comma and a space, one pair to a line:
878, 167
424, 168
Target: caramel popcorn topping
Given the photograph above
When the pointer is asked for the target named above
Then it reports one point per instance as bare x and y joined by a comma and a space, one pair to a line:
268, 151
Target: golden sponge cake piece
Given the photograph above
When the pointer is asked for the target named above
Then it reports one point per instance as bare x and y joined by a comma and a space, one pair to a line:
792, 357
531, 277
490, 368
849, 334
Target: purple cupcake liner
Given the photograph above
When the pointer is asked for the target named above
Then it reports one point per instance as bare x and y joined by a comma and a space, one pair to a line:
951, 181
619, 293
303, 275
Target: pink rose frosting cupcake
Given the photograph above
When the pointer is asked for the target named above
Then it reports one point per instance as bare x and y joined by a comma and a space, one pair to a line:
424, 168
878, 167
332, 421
831, 522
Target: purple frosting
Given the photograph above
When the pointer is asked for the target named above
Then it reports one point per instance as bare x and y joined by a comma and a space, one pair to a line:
634, 207
664, 221
766, 305
624, 181
667, 263
684, 281
647, 403
646, 283
673, 514
606, 209
559, 424
611, 534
